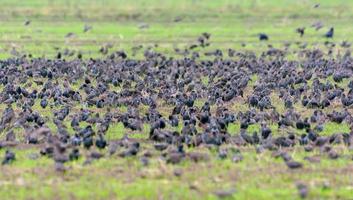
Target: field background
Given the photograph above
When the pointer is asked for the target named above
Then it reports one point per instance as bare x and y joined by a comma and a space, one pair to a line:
116, 22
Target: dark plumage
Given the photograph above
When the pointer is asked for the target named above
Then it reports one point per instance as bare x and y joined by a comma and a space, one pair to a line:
101, 143
263, 37
300, 31
294, 164
87, 142
329, 33
9, 157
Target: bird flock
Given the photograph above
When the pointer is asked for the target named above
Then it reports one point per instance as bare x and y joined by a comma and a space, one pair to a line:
66, 108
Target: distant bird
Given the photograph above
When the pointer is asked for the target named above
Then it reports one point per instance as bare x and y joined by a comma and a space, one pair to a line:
317, 25
101, 143
43, 103
60, 167
263, 36
316, 5
87, 142
69, 35
160, 146
224, 193
9, 157
303, 190
330, 33
294, 164
333, 154
27, 22
10, 136
265, 132
178, 19
96, 155
144, 160
237, 158
87, 28
345, 44
143, 26
300, 30
74, 155
58, 55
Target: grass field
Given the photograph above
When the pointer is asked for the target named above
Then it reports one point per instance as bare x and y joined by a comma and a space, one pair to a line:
231, 23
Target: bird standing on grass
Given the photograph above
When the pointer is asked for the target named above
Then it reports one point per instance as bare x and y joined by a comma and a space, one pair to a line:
300, 31
9, 157
263, 36
330, 33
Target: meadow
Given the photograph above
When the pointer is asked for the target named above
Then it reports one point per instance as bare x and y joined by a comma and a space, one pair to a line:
55, 26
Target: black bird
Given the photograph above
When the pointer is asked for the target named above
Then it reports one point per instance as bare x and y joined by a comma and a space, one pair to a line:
160, 146
294, 164
246, 137
174, 121
300, 31
253, 100
88, 142
101, 143
74, 155
9, 157
44, 103
76, 140
263, 36
304, 140
255, 138
330, 33
265, 132
312, 135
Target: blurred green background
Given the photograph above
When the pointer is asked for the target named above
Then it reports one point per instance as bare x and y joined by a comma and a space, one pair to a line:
124, 24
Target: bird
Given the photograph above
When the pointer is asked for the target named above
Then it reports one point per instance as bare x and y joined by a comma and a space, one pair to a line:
101, 143
303, 190
224, 194
317, 25
10, 136
265, 132
160, 146
294, 164
69, 35
74, 155
316, 5
329, 33
263, 36
27, 22
300, 30
222, 154
44, 103
9, 157
143, 26
345, 44
87, 28
237, 158
87, 142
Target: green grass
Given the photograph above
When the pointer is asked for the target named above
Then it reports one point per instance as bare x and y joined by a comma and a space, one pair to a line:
112, 178
231, 23
116, 22
332, 128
